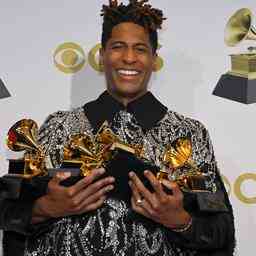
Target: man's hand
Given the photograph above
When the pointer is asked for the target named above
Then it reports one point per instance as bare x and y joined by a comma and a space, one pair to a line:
166, 209
86, 195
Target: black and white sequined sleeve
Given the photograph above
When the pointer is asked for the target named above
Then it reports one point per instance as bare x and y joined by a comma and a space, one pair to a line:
212, 230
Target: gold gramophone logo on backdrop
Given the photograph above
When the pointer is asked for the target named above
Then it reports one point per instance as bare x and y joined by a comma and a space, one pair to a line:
239, 84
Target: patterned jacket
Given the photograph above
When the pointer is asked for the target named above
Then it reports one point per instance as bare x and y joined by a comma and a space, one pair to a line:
111, 230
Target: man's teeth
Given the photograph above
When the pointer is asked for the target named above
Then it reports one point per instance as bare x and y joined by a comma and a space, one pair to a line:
128, 72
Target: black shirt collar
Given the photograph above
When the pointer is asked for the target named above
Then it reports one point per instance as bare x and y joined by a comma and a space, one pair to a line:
146, 109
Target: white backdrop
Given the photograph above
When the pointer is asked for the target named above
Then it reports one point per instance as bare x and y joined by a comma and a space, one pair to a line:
194, 55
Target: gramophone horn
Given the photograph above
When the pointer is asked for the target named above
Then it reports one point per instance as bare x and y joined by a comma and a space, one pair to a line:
23, 136
239, 27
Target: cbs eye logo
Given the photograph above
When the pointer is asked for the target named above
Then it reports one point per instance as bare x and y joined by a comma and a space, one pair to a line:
70, 57
238, 185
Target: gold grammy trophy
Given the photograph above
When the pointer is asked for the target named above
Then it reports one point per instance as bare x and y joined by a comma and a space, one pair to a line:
22, 136
239, 84
23, 173
179, 156
28, 177
90, 153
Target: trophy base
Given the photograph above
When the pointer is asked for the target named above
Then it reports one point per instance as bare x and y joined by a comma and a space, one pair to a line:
236, 88
3, 91
17, 185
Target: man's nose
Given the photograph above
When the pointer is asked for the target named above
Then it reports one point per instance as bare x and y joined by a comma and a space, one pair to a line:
129, 56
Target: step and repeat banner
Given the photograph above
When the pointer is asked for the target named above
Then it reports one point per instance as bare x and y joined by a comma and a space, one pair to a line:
49, 61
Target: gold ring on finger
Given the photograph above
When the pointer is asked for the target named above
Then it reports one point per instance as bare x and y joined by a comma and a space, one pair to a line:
139, 201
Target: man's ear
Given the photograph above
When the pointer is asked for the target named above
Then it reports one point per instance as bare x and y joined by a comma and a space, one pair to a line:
155, 68
101, 63
101, 56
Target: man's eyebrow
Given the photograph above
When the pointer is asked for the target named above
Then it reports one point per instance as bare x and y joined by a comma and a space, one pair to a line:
142, 44
117, 42
136, 44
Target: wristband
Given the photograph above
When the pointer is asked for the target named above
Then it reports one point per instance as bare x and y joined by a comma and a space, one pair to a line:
183, 229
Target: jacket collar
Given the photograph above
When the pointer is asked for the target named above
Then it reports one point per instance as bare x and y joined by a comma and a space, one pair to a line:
147, 110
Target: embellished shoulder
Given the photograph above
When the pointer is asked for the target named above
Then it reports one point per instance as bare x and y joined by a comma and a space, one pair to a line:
179, 120
174, 126
196, 130
57, 129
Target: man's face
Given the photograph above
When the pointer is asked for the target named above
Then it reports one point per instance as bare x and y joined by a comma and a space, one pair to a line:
128, 60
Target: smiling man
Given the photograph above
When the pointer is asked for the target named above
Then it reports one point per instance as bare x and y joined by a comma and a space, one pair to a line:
128, 59
85, 219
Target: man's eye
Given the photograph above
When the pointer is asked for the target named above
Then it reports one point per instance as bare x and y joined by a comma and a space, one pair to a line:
141, 49
116, 46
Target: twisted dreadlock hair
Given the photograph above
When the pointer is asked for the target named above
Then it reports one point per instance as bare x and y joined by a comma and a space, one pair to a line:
138, 12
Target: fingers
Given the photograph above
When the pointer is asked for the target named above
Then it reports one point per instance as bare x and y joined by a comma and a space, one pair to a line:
94, 191
91, 200
174, 187
60, 176
139, 204
54, 183
135, 193
155, 183
140, 187
150, 203
86, 207
94, 206
139, 209
93, 196
83, 189
83, 183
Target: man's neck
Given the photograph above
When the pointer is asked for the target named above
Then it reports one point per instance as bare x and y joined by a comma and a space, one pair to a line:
126, 99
